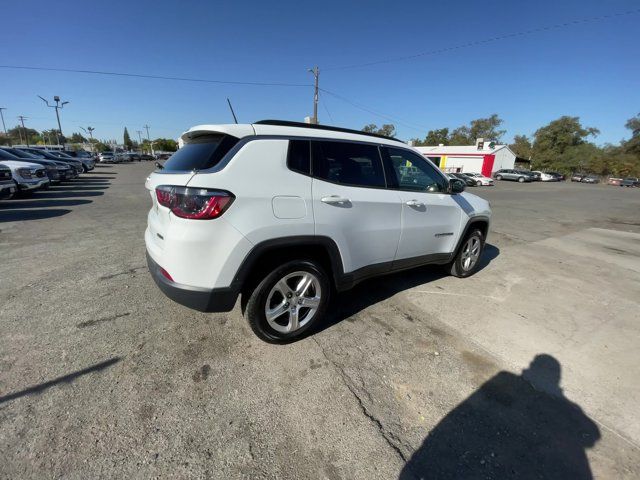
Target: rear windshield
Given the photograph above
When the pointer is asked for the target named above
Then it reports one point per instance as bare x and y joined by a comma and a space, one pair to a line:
200, 154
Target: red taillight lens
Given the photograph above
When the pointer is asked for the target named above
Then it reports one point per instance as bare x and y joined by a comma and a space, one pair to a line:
194, 203
165, 274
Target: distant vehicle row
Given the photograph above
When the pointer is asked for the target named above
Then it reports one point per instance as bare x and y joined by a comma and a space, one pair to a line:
527, 175
111, 157
28, 169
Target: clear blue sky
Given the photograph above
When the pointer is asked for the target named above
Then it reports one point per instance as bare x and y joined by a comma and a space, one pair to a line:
589, 70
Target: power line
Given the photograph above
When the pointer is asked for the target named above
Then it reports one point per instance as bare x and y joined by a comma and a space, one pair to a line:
326, 109
364, 108
155, 77
487, 40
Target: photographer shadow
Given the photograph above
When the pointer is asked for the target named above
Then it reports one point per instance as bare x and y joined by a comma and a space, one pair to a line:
513, 426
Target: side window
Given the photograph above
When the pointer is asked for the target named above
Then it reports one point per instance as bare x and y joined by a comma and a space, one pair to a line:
409, 171
299, 156
346, 163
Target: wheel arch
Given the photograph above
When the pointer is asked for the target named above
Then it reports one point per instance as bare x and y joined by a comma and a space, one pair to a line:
269, 253
482, 223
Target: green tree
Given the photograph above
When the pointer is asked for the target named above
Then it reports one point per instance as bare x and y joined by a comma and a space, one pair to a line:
461, 136
433, 138
77, 138
387, 129
554, 145
633, 144
521, 146
487, 128
165, 145
128, 144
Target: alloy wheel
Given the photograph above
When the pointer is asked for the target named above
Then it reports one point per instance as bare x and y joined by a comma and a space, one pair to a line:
293, 301
470, 253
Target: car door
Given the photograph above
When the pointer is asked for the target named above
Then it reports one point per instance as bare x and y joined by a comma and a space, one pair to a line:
431, 217
351, 204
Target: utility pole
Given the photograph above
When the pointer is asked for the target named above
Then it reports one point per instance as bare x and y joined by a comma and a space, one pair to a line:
4, 127
26, 135
139, 132
316, 74
149, 139
57, 106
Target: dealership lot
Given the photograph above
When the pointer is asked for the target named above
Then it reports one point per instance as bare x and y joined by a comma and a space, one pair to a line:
101, 375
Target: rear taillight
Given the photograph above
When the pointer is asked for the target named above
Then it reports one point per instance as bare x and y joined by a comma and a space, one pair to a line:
165, 274
194, 203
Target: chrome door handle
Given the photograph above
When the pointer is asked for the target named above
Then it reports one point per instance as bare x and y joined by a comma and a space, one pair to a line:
414, 203
334, 199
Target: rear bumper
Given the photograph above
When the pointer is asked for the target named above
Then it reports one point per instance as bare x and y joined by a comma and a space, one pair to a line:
201, 299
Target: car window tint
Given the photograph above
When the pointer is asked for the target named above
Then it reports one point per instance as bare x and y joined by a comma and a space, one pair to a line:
299, 157
348, 164
412, 172
201, 153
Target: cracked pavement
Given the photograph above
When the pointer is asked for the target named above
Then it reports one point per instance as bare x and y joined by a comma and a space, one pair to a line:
528, 369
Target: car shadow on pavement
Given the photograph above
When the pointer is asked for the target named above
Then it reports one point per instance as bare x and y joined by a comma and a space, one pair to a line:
53, 193
41, 387
513, 426
45, 202
376, 290
86, 186
21, 215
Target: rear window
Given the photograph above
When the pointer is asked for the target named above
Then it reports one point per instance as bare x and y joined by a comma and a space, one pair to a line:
201, 153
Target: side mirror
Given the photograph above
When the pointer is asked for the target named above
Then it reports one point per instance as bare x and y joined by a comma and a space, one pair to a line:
456, 185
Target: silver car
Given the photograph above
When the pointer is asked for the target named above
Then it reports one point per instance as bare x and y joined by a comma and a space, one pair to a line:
515, 175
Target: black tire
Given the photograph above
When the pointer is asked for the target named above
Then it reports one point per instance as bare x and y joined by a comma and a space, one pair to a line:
498, 177
457, 268
478, 183
257, 299
521, 179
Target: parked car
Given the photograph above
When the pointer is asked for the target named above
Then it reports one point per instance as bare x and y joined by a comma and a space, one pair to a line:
163, 156
105, 157
630, 182
64, 171
590, 179
121, 158
614, 181
28, 177
50, 166
535, 175
49, 155
558, 176
577, 177
88, 163
546, 176
480, 179
468, 181
510, 174
8, 187
246, 220
147, 158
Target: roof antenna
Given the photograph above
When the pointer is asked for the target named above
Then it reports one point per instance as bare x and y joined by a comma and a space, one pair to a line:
232, 112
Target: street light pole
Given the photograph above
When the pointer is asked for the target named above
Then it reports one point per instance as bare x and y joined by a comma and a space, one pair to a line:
90, 130
316, 75
57, 106
4, 127
140, 139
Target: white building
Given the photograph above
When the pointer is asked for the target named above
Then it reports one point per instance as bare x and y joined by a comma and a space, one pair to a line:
483, 157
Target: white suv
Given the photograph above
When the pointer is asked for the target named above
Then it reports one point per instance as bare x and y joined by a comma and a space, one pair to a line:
284, 213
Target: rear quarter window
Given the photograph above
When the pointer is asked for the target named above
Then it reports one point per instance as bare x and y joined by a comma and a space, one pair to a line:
201, 153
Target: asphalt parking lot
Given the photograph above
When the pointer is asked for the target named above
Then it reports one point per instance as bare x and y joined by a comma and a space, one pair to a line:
529, 369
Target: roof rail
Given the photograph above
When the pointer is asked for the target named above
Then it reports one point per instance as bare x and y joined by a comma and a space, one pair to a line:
286, 123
